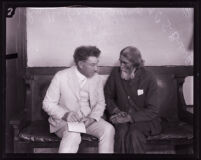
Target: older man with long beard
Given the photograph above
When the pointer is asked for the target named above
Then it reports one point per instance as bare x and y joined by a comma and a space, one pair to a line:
131, 94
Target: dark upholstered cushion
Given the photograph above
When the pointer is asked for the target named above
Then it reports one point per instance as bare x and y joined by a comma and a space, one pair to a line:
38, 131
173, 133
167, 100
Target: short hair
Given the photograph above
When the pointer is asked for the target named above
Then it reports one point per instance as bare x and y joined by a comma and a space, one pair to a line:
133, 55
83, 52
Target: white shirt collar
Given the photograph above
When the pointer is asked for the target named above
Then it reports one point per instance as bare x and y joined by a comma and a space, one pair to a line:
81, 77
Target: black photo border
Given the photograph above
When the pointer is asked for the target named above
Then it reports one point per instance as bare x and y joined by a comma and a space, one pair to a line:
5, 5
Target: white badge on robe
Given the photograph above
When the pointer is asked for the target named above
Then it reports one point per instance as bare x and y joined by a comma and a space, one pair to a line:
140, 92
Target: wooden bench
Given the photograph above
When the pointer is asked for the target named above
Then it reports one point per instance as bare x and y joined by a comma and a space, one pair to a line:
31, 129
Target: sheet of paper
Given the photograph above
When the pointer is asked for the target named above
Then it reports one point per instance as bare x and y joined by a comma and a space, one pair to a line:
76, 127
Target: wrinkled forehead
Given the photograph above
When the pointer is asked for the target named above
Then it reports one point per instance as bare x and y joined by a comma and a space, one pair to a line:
124, 59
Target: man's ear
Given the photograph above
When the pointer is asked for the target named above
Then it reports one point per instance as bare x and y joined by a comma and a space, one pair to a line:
80, 64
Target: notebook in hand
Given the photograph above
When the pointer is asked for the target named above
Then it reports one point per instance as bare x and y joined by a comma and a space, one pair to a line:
76, 127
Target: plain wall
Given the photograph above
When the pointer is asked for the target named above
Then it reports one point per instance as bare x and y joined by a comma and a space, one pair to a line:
163, 35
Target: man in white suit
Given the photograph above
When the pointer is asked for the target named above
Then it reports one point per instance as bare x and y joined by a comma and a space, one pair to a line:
76, 94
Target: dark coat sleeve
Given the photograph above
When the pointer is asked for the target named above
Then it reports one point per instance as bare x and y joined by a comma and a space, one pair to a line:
151, 109
110, 93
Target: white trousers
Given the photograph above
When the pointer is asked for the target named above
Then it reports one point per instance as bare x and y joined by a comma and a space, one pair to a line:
103, 130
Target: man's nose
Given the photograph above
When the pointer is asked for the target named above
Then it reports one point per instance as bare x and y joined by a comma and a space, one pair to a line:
122, 64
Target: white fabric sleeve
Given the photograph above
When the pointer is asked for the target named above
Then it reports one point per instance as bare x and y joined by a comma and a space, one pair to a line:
51, 100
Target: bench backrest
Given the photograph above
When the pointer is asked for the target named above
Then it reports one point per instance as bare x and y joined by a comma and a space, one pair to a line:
169, 78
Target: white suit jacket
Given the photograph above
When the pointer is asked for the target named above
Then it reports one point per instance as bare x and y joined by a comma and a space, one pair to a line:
63, 96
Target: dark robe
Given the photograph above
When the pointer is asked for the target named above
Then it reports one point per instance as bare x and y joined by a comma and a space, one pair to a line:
138, 97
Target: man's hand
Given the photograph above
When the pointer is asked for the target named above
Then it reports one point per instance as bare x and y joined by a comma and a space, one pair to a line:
116, 110
88, 121
71, 117
118, 114
121, 117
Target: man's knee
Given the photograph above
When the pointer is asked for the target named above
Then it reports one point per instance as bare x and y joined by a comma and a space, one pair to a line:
71, 136
109, 130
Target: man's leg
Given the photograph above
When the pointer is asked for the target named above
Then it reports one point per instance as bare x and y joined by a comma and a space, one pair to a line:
138, 141
105, 132
70, 140
121, 131
137, 136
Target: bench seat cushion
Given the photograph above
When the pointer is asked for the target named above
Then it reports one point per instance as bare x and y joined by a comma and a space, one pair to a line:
174, 133
38, 131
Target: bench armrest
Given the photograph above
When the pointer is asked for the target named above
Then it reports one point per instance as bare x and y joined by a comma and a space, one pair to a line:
183, 112
18, 122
